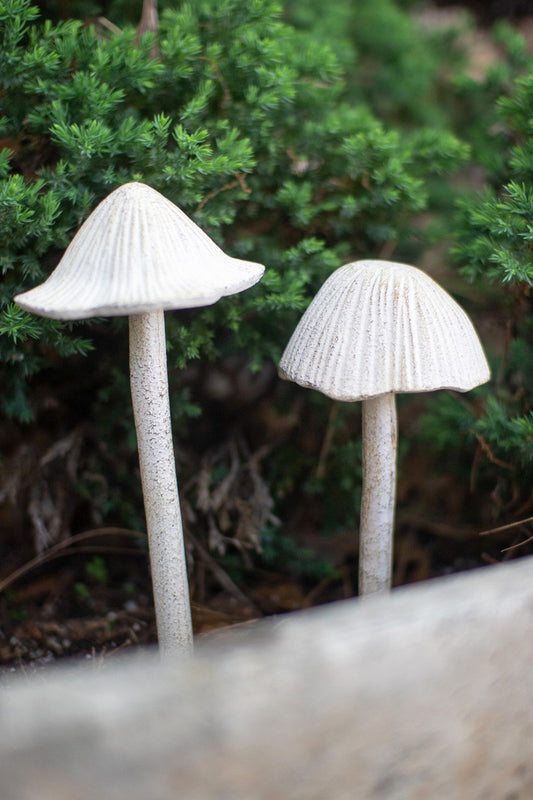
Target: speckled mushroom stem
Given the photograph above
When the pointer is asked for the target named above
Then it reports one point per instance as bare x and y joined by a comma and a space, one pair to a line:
380, 434
149, 391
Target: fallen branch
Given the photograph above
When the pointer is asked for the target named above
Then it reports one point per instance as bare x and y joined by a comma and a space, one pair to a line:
506, 527
65, 548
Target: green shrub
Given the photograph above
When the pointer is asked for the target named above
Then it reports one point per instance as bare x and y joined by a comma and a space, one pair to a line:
394, 64
241, 121
249, 125
494, 247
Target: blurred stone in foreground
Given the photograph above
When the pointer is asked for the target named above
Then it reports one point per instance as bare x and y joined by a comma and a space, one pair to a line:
424, 694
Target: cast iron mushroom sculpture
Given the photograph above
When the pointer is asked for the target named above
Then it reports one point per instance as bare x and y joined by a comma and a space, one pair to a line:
138, 255
377, 328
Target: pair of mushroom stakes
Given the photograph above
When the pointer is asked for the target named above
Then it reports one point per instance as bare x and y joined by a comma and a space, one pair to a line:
375, 329
138, 255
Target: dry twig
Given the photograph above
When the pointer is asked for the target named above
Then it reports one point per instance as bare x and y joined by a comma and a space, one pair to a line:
67, 547
221, 575
240, 180
506, 527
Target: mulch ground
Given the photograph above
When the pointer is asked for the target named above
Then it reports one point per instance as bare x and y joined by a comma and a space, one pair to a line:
88, 596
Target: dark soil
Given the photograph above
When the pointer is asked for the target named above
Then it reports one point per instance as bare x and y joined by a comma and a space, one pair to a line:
88, 596
489, 11
72, 586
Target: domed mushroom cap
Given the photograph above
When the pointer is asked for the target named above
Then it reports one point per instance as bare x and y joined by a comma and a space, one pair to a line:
138, 252
377, 327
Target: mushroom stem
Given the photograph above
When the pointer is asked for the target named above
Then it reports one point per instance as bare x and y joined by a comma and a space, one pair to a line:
379, 489
151, 408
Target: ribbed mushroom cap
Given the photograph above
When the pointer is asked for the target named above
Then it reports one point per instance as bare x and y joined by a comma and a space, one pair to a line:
377, 327
138, 252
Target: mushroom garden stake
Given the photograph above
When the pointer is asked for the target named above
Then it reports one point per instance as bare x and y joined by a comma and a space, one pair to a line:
136, 255
374, 329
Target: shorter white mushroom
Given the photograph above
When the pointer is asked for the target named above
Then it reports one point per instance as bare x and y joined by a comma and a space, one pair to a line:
136, 255
375, 329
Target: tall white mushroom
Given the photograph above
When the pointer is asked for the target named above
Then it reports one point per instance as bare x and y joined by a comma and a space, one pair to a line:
377, 328
137, 255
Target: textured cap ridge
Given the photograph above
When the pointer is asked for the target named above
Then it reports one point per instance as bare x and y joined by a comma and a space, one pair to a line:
377, 327
138, 252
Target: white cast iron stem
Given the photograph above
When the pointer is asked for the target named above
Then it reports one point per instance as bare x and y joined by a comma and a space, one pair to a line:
380, 436
149, 391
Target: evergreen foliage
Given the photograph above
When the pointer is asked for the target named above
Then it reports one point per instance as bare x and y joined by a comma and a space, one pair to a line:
394, 65
242, 121
494, 246
287, 148
473, 100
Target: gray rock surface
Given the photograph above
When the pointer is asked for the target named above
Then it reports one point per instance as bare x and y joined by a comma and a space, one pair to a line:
427, 693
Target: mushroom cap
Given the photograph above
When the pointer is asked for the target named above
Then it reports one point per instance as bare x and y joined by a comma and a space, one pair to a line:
377, 327
138, 252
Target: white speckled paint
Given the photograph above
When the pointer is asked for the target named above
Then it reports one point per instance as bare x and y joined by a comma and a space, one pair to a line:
149, 392
136, 255
380, 435
374, 329
136, 252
